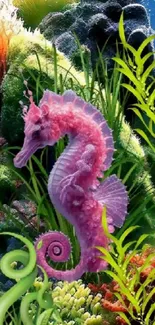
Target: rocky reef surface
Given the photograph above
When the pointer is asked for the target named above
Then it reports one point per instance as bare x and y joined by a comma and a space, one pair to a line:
95, 24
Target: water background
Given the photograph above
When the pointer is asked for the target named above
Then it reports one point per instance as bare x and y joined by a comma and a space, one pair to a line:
150, 6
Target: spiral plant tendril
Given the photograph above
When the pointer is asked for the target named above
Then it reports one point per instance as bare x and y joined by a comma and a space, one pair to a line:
73, 184
25, 278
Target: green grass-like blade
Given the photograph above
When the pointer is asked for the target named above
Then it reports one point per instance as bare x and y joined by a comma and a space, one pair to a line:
149, 313
147, 72
124, 290
148, 298
135, 92
145, 137
108, 258
123, 316
127, 232
144, 44
140, 240
128, 73
129, 173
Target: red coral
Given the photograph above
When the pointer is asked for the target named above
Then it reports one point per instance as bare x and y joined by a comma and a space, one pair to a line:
109, 300
114, 306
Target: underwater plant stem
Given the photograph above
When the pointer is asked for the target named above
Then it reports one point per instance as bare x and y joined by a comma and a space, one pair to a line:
24, 308
9, 297
44, 300
24, 277
55, 69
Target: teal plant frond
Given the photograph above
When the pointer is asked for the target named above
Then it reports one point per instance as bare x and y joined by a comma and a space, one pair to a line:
133, 293
133, 67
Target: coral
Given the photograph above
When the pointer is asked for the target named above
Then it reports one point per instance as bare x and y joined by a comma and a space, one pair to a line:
23, 49
20, 217
73, 187
75, 303
33, 11
9, 26
95, 23
130, 293
145, 269
8, 16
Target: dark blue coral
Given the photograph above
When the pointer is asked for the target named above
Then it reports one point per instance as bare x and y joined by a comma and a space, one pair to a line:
95, 22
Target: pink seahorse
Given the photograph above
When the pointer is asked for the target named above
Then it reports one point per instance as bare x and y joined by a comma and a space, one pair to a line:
73, 186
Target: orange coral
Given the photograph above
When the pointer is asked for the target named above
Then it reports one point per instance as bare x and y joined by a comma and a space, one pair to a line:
4, 45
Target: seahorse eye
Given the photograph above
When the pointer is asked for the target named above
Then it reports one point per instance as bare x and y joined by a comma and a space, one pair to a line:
36, 134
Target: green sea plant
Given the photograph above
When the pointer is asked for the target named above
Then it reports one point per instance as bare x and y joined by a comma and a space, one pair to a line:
43, 302
7, 183
133, 286
132, 66
25, 277
33, 11
32, 58
132, 166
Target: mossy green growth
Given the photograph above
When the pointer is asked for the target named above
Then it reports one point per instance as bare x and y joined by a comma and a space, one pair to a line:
134, 168
33, 11
7, 186
32, 58
134, 155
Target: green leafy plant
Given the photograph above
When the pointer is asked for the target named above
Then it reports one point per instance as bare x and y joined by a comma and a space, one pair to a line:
132, 293
132, 65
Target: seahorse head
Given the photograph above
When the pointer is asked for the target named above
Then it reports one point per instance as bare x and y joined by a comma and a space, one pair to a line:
40, 129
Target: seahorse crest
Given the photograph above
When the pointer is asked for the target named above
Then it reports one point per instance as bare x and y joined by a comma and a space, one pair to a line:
77, 103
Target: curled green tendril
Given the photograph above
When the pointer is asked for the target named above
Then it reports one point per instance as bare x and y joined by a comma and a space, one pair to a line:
44, 318
24, 276
43, 298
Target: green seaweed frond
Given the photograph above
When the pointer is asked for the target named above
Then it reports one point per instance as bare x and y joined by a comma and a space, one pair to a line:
132, 65
130, 288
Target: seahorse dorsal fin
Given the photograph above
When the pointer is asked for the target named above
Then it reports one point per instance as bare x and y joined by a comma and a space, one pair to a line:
78, 103
50, 97
112, 194
96, 115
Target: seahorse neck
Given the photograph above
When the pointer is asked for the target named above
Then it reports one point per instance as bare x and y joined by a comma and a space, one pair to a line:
76, 125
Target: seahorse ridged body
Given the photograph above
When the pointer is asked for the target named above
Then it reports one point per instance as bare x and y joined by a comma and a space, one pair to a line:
73, 184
